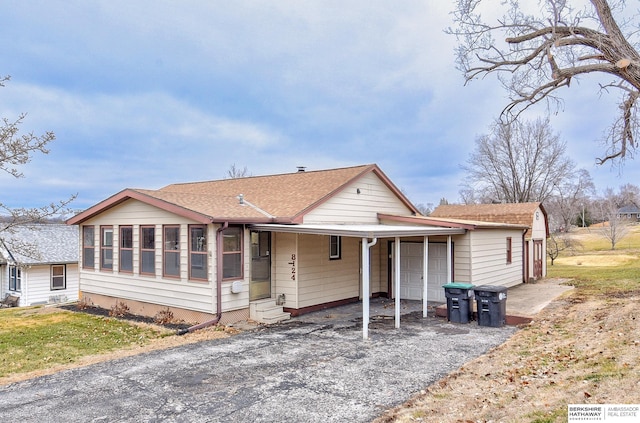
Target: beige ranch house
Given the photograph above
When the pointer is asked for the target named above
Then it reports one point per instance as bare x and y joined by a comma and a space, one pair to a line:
267, 247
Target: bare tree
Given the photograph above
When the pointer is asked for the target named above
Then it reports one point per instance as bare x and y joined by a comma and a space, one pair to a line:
614, 227
517, 162
536, 51
16, 149
235, 172
559, 242
569, 199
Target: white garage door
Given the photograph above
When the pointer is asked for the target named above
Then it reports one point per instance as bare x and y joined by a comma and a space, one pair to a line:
411, 259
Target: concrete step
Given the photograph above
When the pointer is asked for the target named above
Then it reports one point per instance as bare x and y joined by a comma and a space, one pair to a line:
267, 311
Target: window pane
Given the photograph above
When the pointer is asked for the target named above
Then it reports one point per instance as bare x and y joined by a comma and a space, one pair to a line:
231, 240
107, 237
231, 267
126, 260
88, 236
148, 262
172, 264
126, 237
88, 260
107, 258
148, 238
172, 238
198, 239
199, 266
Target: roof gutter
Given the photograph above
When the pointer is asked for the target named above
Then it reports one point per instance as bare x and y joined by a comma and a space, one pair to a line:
216, 319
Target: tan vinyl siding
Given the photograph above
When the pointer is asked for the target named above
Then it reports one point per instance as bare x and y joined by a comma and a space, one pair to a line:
285, 246
322, 280
190, 296
179, 292
489, 259
348, 206
462, 263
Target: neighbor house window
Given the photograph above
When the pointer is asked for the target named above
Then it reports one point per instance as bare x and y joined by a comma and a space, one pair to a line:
15, 278
88, 247
232, 253
508, 250
148, 250
58, 277
106, 247
198, 252
171, 251
126, 249
335, 247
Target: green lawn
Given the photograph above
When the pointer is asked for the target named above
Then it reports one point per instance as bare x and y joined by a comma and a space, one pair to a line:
37, 338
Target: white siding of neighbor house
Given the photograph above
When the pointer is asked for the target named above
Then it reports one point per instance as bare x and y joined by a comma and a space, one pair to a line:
191, 295
36, 281
489, 259
321, 280
348, 206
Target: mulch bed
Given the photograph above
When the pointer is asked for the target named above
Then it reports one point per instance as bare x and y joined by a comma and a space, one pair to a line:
99, 311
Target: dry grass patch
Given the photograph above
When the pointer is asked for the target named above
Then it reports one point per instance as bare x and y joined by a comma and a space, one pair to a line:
608, 260
38, 340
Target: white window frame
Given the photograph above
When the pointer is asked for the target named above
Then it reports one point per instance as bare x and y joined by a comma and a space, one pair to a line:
337, 253
64, 277
15, 278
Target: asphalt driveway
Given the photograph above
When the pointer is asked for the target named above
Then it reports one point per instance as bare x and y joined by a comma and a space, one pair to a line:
313, 369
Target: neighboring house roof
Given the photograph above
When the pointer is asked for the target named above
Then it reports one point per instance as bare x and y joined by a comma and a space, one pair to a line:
51, 243
513, 213
629, 209
283, 198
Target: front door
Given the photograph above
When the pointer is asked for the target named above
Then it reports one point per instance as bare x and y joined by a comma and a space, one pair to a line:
537, 258
260, 284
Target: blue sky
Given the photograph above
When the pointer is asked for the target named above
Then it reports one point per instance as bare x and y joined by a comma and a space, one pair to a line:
147, 93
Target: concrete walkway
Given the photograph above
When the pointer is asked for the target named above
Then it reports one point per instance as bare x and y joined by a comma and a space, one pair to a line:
526, 300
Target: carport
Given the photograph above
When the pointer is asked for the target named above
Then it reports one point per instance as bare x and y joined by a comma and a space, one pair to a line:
370, 234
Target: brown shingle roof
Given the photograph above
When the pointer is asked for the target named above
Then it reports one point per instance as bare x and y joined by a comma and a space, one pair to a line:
281, 198
515, 213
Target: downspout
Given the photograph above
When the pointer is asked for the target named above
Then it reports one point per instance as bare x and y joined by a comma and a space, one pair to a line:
218, 286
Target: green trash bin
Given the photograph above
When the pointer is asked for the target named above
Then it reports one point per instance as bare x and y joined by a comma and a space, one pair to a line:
491, 302
459, 296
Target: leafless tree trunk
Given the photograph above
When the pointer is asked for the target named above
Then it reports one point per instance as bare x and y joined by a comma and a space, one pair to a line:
535, 51
235, 172
517, 163
614, 227
569, 199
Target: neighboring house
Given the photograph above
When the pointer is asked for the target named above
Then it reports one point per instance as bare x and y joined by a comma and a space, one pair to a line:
532, 215
260, 247
39, 263
630, 213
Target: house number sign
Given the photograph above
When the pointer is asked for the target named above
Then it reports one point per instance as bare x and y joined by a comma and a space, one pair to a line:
293, 267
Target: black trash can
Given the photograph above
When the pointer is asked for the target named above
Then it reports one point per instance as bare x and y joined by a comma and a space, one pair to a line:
458, 296
491, 302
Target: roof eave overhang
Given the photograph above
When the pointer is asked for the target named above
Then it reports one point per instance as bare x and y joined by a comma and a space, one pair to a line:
127, 194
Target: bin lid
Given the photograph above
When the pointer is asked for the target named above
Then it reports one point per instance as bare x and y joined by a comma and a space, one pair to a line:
459, 285
490, 288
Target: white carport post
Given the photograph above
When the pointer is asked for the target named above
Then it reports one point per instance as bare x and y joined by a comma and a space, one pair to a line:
425, 276
397, 276
449, 260
366, 245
